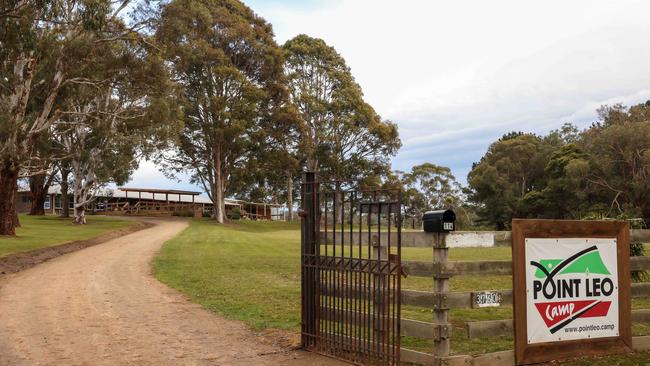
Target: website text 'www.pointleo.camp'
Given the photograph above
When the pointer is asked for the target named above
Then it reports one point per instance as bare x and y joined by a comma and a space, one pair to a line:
588, 328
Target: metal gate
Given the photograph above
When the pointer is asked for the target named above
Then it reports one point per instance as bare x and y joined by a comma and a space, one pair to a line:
351, 271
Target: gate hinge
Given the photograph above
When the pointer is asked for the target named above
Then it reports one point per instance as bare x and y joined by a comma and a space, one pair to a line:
440, 270
440, 301
441, 331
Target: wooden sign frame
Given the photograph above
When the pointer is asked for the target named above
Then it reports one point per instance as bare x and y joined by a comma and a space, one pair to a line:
542, 352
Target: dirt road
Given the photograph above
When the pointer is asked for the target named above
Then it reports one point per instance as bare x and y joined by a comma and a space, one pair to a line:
101, 306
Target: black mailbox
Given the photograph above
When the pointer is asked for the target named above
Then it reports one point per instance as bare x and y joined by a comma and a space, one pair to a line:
439, 221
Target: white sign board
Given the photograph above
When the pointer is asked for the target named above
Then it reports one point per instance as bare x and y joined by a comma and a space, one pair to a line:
571, 289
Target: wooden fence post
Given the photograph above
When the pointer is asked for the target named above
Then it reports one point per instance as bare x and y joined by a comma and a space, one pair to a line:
442, 331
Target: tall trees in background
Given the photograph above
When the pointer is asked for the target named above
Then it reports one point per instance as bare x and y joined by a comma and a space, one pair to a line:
343, 136
40, 172
63, 179
255, 113
436, 184
344, 139
512, 167
67, 70
427, 187
230, 71
20, 54
75, 101
275, 162
565, 193
618, 147
114, 121
43, 47
603, 171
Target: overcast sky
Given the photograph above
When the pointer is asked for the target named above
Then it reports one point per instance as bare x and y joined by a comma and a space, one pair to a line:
456, 75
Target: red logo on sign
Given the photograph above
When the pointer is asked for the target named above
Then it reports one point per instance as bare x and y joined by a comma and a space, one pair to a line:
555, 312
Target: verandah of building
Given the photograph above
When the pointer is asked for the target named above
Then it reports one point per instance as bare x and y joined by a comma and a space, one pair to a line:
157, 202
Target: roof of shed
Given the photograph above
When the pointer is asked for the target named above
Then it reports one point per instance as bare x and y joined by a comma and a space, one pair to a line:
156, 190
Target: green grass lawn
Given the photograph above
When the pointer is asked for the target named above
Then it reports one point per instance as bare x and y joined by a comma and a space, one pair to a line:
45, 231
250, 271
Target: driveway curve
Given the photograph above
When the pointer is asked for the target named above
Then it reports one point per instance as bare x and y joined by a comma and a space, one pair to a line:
102, 306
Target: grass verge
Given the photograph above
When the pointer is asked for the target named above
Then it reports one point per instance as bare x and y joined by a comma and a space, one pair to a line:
46, 231
248, 271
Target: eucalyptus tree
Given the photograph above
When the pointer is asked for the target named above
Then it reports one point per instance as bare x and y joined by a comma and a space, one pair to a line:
512, 167
344, 138
230, 75
436, 184
272, 165
105, 127
280, 156
63, 179
566, 193
618, 147
44, 47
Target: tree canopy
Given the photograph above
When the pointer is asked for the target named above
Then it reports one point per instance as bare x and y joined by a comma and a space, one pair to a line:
601, 171
344, 138
512, 167
229, 71
49, 48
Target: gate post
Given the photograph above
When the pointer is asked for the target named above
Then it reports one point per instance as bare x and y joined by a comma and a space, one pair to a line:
442, 331
308, 257
379, 252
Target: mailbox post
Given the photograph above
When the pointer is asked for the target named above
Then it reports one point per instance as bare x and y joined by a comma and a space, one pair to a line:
440, 223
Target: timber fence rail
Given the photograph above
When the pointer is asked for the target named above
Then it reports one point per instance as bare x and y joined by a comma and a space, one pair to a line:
440, 301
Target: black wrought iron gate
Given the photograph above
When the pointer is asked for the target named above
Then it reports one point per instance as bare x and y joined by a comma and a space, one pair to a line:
351, 271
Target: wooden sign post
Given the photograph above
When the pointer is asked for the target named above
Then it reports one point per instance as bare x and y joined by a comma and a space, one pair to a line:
571, 282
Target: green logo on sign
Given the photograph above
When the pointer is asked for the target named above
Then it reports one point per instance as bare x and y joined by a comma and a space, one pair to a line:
587, 263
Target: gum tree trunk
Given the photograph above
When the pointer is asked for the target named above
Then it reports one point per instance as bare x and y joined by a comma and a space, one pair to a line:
65, 198
289, 197
8, 188
38, 188
339, 202
16, 220
83, 183
79, 215
218, 201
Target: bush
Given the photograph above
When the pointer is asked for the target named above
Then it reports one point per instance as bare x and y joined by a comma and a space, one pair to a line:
637, 249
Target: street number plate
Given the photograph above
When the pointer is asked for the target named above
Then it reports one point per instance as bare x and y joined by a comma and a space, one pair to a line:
486, 299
